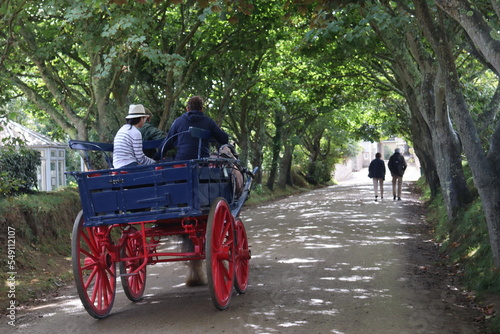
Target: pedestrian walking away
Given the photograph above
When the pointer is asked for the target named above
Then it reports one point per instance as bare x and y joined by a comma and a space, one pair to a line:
397, 166
376, 171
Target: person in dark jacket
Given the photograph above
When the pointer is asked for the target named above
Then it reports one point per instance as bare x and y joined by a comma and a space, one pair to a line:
186, 145
376, 171
150, 132
397, 165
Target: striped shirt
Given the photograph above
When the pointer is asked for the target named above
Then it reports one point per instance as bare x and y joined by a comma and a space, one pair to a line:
128, 147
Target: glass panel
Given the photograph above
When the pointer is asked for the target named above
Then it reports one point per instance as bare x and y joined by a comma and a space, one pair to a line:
43, 181
39, 177
53, 175
60, 173
53, 153
61, 153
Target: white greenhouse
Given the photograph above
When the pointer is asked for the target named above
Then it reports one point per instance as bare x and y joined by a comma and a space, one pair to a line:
53, 154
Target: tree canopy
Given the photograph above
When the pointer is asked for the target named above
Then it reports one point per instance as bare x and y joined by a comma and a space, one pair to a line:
294, 82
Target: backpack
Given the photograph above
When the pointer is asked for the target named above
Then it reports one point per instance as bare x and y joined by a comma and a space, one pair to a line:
395, 165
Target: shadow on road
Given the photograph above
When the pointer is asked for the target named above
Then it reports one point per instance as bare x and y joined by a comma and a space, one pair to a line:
328, 261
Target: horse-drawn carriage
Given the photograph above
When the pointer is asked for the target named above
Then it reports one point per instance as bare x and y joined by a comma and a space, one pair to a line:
127, 212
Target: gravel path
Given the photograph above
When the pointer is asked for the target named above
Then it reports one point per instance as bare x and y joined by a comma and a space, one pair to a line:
329, 261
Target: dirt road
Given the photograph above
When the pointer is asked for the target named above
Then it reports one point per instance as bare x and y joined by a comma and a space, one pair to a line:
329, 261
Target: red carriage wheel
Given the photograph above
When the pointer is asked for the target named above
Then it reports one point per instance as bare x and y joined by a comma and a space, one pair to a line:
94, 268
133, 280
242, 258
220, 253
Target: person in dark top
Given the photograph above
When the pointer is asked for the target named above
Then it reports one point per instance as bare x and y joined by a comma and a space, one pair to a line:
150, 132
186, 145
397, 165
376, 171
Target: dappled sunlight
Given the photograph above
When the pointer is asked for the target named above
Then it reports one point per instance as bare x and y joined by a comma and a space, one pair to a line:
348, 253
68, 303
320, 214
322, 312
293, 324
72, 305
309, 260
361, 268
356, 278
310, 227
65, 304
329, 257
319, 246
315, 302
398, 237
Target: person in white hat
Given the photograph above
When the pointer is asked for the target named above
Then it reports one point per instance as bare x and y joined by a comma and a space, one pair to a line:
127, 150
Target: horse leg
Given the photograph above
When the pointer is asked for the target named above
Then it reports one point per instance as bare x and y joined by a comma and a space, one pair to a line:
195, 275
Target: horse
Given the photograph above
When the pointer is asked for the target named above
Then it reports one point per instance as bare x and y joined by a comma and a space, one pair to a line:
195, 275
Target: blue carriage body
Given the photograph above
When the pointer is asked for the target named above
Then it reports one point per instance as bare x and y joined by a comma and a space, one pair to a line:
154, 192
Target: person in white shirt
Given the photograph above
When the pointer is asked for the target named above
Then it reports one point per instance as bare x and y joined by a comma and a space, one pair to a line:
127, 150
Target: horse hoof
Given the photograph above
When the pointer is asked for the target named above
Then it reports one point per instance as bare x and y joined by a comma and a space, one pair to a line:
195, 282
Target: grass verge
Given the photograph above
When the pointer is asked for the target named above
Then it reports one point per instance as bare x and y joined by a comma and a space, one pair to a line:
464, 243
39, 230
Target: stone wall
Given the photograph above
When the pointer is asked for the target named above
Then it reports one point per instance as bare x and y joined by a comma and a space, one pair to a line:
343, 170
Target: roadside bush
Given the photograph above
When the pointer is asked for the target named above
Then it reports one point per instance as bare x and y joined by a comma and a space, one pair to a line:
321, 172
18, 170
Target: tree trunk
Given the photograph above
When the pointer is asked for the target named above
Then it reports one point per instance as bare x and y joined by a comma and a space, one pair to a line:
418, 71
286, 166
276, 149
484, 170
422, 140
243, 140
311, 167
447, 152
257, 158
257, 143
